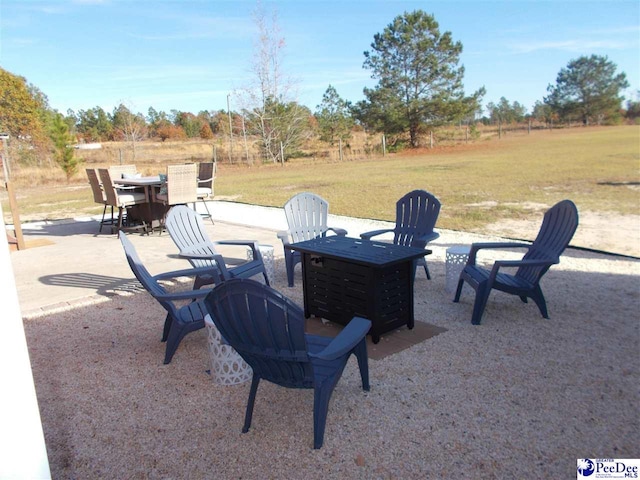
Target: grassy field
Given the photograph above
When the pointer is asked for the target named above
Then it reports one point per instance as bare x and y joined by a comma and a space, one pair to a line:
597, 167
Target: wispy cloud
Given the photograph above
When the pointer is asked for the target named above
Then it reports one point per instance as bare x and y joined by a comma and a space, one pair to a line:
569, 45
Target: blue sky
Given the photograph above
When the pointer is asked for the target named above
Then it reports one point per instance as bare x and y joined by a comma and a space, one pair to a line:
189, 55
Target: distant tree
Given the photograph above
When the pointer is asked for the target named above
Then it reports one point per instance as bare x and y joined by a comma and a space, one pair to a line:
588, 89
334, 117
544, 113
129, 127
156, 120
63, 145
168, 131
269, 103
633, 107
419, 81
94, 125
205, 131
22, 111
189, 123
505, 112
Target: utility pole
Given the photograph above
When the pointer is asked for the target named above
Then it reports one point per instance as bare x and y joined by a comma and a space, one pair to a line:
13, 205
230, 129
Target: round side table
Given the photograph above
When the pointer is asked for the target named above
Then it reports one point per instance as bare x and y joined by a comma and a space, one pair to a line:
456, 258
227, 366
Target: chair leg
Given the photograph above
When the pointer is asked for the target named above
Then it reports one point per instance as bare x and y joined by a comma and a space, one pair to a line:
255, 381
482, 295
288, 257
104, 211
538, 297
360, 352
207, 209
456, 298
426, 270
167, 326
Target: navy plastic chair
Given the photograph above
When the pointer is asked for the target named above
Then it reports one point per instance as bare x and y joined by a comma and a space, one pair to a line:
187, 231
180, 320
416, 216
306, 215
267, 330
558, 227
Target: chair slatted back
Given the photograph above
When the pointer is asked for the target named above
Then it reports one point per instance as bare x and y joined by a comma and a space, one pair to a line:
182, 184
265, 328
416, 215
108, 187
187, 231
96, 189
559, 225
306, 215
207, 174
116, 171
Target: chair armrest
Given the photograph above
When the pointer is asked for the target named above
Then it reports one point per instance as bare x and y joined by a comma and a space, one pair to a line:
214, 257
252, 244
473, 252
346, 340
525, 263
341, 232
373, 233
284, 236
187, 272
421, 242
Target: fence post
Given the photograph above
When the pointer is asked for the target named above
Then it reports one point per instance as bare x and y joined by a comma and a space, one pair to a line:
430, 138
282, 153
384, 145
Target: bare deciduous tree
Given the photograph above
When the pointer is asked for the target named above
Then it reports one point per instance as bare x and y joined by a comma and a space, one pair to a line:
269, 102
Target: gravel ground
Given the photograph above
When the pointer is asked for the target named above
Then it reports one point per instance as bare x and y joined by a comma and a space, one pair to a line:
514, 397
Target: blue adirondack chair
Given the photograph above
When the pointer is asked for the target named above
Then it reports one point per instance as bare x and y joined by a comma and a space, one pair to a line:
267, 330
558, 227
187, 231
416, 216
180, 320
306, 215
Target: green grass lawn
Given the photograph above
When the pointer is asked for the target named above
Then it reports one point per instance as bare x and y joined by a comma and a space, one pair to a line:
597, 167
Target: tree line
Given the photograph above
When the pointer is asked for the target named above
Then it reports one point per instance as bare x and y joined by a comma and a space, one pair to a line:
419, 88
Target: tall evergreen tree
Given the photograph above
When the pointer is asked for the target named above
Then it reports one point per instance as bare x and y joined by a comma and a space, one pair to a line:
588, 89
419, 80
334, 117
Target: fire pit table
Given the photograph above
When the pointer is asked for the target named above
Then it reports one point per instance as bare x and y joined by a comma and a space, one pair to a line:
343, 277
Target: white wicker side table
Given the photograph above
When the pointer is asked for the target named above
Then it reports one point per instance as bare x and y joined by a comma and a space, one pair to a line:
455, 260
267, 257
227, 367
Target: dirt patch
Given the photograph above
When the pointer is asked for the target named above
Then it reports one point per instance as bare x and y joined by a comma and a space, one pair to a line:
609, 232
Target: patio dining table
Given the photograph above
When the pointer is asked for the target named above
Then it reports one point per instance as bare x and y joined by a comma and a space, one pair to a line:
151, 212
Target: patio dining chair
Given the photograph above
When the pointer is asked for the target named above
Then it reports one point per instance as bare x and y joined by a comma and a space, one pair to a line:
206, 178
99, 196
306, 215
120, 171
187, 231
558, 227
180, 187
122, 199
416, 216
180, 320
267, 331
